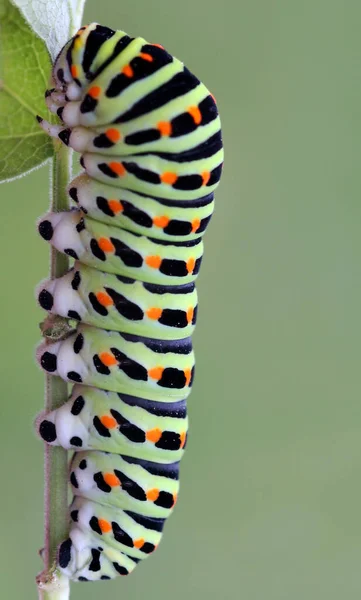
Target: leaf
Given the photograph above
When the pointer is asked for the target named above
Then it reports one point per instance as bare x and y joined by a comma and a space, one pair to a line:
55, 21
24, 72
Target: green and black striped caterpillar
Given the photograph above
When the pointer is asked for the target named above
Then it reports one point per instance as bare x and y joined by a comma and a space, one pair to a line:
149, 134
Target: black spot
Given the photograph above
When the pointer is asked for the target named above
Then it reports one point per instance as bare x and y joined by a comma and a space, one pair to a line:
64, 136
46, 230
76, 281
88, 105
142, 137
49, 92
147, 548
73, 193
142, 174
46, 300
78, 344
174, 318
100, 366
172, 378
130, 431
94, 524
95, 563
173, 267
82, 464
103, 205
60, 111
176, 227
105, 577
47, 430
65, 553
121, 570
71, 252
72, 314
197, 266
99, 308
102, 141
73, 480
125, 307
60, 75
39, 118
101, 429
98, 252
152, 523
131, 487
165, 500
74, 515
76, 441
136, 215
130, 257
81, 578
105, 168
78, 406
102, 485
215, 175
169, 440
95, 40
130, 367
74, 376
80, 226
121, 536
48, 362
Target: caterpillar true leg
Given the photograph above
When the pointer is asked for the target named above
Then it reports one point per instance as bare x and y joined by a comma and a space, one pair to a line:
149, 134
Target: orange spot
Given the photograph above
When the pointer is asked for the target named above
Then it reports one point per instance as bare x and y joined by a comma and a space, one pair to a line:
108, 359
104, 299
190, 313
139, 543
182, 438
118, 168
175, 498
153, 261
115, 206
187, 373
190, 264
128, 71
153, 435
169, 177
111, 479
95, 91
161, 221
195, 224
195, 114
155, 373
113, 135
164, 127
108, 422
154, 313
104, 525
205, 177
74, 71
159, 46
106, 245
152, 495
146, 56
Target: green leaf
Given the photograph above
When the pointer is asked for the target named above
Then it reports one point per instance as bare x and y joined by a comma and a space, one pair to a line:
25, 68
55, 21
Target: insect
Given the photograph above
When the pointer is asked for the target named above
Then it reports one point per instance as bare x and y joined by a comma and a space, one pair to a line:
149, 136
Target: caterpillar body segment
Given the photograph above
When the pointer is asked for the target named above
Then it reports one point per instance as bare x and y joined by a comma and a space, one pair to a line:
150, 141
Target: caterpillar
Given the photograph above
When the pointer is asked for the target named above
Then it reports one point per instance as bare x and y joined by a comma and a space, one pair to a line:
151, 151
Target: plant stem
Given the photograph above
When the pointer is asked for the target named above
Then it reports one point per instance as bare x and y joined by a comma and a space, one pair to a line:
56, 586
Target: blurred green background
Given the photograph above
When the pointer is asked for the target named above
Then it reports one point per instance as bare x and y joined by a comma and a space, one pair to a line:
271, 495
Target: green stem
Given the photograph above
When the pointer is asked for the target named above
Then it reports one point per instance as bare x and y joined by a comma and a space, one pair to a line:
53, 586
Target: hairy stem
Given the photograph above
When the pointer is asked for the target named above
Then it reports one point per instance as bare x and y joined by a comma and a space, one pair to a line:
52, 585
